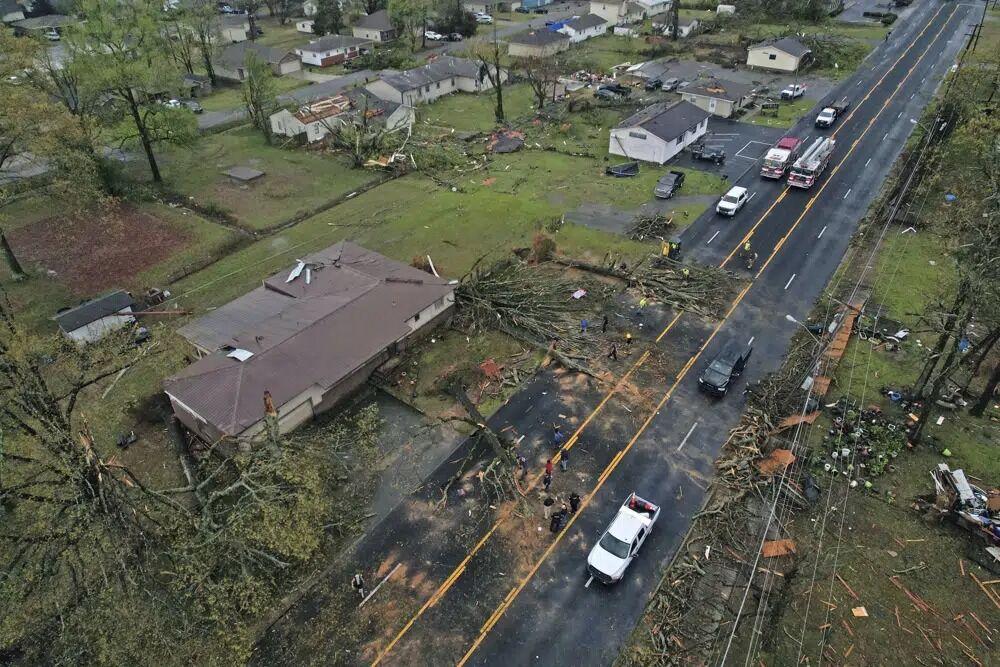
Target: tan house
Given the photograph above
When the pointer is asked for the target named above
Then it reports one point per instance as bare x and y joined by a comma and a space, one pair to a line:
784, 55
323, 116
618, 13
718, 97
539, 43
304, 340
231, 62
375, 27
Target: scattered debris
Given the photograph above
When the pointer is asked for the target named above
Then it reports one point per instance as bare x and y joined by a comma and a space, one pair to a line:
774, 548
505, 141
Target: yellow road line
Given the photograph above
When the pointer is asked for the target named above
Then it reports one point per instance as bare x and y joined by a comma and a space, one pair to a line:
495, 617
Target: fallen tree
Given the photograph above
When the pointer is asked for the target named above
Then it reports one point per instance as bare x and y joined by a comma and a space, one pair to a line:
655, 226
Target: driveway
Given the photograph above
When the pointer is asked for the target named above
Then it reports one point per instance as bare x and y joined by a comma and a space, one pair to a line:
744, 145
617, 221
691, 70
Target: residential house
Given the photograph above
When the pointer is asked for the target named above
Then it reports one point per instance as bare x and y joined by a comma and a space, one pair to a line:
195, 85
659, 132
304, 340
537, 44
331, 50
306, 26
375, 27
321, 117
38, 25
231, 62
653, 7
425, 84
11, 11
234, 28
492, 6
684, 28
784, 55
95, 319
718, 97
534, 4
584, 27
618, 13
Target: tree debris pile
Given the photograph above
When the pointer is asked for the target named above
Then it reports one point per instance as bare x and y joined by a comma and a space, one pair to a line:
702, 589
702, 290
527, 302
652, 226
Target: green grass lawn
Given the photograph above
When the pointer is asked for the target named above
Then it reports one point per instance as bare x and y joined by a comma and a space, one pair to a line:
475, 112
788, 113
281, 36
296, 179
604, 52
230, 95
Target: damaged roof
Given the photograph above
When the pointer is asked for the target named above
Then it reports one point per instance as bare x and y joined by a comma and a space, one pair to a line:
343, 308
719, 89
667, 121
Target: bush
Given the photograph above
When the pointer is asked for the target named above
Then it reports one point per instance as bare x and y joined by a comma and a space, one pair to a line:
542, 248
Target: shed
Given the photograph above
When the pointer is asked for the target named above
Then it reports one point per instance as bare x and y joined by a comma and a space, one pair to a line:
784, 55
94, 319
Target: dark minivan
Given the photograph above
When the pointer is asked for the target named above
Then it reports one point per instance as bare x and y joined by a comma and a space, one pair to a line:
724, 369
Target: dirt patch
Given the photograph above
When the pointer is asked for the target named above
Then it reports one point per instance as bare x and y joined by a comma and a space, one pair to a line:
91, 252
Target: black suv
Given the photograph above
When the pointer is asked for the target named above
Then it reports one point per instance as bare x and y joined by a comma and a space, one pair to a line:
724, 369
616, 88
668, 185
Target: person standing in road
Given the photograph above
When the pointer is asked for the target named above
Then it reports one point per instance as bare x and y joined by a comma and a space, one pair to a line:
564, 459
547, 481
358, 584
604, 324
628, 340
522, 464
548, 467
558, 438
574, 502
583, 325
613, 353
547, 506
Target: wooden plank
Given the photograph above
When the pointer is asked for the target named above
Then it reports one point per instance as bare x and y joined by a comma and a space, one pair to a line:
849, 589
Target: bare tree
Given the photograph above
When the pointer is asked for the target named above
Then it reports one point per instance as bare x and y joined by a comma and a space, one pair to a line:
259, 94
490, 56
543, 77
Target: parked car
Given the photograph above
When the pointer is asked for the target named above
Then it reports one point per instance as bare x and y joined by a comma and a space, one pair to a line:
455, 37
172, 104
541, 10
671, 84
654, 84
616, 88
724, 369
714, 154
606, 94
52, 35
522, 10
620, 543
732, 201
484, 18
668, 184
433, 36
194, 106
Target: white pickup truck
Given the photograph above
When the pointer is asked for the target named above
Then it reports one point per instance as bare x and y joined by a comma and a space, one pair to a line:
793, 91
620, 543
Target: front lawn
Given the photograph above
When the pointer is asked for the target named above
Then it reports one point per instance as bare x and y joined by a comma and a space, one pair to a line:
788, 113
475, 112
229, 96
296, 179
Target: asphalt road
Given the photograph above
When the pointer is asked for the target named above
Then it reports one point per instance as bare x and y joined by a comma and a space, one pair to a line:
494, 605
554, 619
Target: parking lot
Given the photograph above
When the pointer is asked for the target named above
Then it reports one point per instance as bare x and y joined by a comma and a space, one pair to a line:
744, 145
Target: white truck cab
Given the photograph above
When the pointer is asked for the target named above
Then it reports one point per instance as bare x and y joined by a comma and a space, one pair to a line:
618, 546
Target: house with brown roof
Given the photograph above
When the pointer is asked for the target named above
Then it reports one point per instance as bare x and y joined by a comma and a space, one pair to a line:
232, 60
325, 115
308, 337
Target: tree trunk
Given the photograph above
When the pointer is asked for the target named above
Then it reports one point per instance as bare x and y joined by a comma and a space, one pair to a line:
206, 53
15, 266
500, 449
947, 369
986, 397
674, 19
942, 341
140, 126
980, 353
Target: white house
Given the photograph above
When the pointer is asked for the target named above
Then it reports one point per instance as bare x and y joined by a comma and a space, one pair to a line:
306, 26
659, 132
323, 116
784, 55
718, 97
376, 26
618, 13
94, 319
653, 7
684, 29
585, 27
425, 84
331, 50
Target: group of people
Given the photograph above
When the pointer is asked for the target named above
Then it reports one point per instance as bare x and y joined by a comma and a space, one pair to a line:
559, 518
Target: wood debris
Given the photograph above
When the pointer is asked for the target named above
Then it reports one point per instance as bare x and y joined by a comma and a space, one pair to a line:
774, 548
